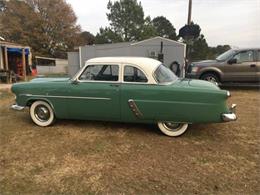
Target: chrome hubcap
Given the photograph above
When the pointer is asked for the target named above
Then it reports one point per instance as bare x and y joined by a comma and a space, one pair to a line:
211, 79
42, 113
172, 126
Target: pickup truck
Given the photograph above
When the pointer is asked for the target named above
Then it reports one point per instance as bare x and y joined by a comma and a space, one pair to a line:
233, 66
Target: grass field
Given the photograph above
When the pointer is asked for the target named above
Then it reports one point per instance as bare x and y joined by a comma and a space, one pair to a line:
84, 157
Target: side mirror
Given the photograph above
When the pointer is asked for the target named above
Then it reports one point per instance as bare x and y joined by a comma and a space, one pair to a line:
232, 61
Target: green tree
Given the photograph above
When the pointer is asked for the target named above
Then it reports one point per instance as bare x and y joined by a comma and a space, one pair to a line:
164, 28
48, 26
19, 24
2, 8
148, 29
86, 38
126, 19
215, 51
106, 35
199, 49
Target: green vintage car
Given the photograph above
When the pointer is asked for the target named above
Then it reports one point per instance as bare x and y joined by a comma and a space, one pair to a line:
125, 89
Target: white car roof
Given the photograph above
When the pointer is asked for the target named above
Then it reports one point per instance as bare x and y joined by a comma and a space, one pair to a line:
147, 64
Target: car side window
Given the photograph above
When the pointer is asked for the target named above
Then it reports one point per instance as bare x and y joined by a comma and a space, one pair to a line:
258, 55
100, 73
133, 74
244, 56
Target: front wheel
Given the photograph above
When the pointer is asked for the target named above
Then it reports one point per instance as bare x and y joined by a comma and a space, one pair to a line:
211, 77
173, 129
41, 113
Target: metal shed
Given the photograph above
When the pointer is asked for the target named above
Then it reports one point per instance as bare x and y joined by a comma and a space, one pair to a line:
166, 50
46, 65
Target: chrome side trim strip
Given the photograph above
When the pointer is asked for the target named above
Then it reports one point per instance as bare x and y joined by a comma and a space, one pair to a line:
134, 108
178, 102
66, 97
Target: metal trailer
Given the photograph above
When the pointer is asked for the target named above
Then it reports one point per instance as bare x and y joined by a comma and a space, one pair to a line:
166, 50
48, 66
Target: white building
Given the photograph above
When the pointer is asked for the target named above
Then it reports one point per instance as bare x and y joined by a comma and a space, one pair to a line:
166, 50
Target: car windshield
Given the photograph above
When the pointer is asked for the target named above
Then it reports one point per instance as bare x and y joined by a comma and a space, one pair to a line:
226, 55
164, 75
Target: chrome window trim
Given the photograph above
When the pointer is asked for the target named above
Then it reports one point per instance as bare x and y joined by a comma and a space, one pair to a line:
153, 74
151, 79
66, 97
94, 81
138, 67
165, 83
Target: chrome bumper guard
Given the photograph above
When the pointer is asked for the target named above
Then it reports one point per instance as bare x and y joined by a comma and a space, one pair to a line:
16, 107
230, 116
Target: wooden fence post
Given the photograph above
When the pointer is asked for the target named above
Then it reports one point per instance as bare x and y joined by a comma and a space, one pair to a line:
24, 64
6, 66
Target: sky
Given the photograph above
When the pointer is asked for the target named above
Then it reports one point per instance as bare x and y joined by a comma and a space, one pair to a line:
233, 22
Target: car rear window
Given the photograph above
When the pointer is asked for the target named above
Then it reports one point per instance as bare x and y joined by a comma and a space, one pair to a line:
164, 75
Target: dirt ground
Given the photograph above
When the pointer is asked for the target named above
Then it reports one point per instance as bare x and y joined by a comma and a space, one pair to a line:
84, 157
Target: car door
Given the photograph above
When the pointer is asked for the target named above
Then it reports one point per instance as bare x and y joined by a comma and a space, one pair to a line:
241, 67
96, 94
135, 90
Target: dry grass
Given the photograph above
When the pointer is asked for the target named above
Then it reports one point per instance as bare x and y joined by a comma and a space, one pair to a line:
83, 157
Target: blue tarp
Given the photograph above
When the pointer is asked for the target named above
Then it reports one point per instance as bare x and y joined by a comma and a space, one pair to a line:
18, 50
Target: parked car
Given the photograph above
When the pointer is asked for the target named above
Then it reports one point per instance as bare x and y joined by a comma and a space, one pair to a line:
235, 65
125, 89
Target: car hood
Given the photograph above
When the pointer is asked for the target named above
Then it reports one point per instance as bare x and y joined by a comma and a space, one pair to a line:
50, 79
194, 83
205, 63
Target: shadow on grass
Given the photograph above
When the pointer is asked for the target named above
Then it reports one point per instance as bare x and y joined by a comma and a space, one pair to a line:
194, 130
132, 128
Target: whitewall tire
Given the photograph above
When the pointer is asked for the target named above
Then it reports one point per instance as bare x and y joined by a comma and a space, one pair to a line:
41, 113
173, 129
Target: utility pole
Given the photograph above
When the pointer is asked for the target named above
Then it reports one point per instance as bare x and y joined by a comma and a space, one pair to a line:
189, 42
189, 12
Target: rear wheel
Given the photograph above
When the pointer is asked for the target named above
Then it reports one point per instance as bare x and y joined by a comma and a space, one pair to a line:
211, 77
172, 129
41, 113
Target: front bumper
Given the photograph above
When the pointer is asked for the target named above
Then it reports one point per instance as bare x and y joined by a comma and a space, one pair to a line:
226, 117
192, 75
16, 107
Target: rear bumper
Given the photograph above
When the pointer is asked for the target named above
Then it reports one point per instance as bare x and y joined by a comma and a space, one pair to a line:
231, 116
16, 107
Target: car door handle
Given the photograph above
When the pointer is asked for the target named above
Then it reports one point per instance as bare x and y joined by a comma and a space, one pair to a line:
114, 85
253, 65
